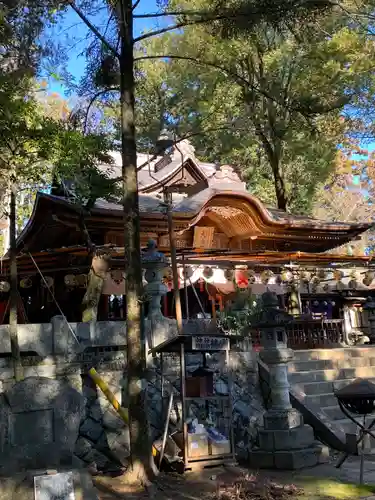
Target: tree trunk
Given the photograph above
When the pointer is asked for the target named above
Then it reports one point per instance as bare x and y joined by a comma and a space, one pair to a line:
13, 301
141, 456
93, 293
92, 297
279, 183
273, 150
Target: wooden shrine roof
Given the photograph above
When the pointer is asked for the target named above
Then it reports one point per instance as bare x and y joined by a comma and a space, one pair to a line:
236, 214
179, 166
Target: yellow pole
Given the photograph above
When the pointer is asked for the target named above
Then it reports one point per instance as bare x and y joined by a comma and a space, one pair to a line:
123, 412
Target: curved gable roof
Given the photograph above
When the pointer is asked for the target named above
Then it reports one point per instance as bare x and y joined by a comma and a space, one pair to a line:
261, 219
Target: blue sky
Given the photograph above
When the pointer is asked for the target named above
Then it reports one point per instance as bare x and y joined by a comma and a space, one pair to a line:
70, 32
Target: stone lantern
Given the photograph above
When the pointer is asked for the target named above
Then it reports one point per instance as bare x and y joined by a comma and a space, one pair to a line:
370, 308
275, 353
284, 442
158, 327
154, 263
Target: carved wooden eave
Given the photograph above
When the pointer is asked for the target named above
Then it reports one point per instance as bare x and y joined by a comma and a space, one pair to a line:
241, 216
242, 221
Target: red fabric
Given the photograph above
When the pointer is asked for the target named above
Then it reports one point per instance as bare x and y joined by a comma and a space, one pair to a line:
241, 278
3, 308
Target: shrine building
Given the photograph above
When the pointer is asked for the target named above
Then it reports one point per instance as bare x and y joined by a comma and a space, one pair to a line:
226, 239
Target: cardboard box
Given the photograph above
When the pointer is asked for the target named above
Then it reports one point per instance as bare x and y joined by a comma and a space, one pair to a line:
197, 445
219, 447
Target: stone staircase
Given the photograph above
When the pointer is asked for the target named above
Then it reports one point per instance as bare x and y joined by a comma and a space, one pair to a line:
315, 374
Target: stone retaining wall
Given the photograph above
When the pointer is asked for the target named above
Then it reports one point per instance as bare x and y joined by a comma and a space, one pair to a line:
51, 351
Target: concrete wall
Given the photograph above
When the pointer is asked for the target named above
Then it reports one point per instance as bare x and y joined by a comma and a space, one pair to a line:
52, 351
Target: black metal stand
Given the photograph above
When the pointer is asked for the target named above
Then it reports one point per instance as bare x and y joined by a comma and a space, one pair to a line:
363, 431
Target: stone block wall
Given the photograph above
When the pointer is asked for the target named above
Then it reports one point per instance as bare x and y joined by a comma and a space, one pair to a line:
52, 351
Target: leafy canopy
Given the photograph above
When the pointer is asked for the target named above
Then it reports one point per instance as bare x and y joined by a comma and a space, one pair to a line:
269, 102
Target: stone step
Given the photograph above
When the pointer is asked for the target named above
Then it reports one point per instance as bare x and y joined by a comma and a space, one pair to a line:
316, 388
331, 364
337, 353
333, 412
331, 375
321, 400
350, 427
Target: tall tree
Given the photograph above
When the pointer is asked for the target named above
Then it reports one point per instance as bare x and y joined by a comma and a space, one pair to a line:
24, 148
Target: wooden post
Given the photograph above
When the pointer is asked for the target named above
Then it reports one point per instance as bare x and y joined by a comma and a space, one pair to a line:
186, 290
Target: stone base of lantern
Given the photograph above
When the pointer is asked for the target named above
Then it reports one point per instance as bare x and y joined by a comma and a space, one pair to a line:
286, 443
292, 439
289, 459
289, 418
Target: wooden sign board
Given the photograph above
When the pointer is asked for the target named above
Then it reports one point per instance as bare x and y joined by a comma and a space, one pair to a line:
209, 343
203, 237
54, 486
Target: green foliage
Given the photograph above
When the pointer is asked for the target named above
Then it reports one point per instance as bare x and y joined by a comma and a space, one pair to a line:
26, 143
269, 103
21, 26
39, 142
241, 314
79, 159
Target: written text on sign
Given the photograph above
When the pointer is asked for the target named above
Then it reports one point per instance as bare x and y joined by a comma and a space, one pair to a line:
208, 343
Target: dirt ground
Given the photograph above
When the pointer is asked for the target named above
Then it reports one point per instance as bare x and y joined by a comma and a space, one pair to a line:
236, 483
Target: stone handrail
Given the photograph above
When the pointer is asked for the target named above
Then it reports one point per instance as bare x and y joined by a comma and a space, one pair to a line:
56, 338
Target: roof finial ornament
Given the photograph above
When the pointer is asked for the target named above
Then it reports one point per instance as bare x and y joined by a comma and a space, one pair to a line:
186, 147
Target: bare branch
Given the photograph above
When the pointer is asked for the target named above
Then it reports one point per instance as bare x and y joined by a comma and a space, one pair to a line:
93, 99
152, 15
177, 26
135, 5
205, 17
93, 28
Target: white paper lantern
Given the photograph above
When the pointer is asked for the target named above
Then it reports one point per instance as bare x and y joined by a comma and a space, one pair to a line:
47, 282
208, 273
26, 283
4, 286
70, 280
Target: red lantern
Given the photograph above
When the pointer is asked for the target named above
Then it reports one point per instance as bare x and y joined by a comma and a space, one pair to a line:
242, 278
